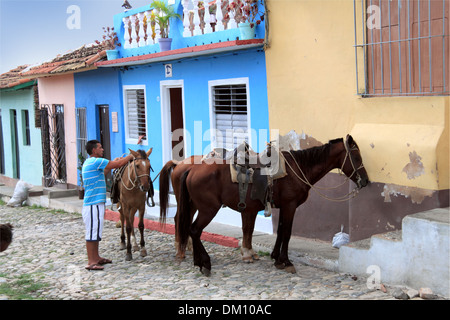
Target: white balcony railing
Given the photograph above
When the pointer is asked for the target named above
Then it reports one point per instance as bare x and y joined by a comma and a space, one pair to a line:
140, 29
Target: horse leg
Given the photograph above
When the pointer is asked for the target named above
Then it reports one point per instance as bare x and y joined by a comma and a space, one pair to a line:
201, 257
133, 236
141, 230
248, 225
287, 217
276, 249
123, 246
181, 252
129, 228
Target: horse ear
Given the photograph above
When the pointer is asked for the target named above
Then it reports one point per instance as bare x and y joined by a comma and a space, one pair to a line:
149, 152
349, 140
134, 153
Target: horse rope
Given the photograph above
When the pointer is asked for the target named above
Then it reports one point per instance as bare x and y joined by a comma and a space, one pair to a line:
343, 198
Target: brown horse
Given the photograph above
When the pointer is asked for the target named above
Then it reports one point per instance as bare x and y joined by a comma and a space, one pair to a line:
206, 187
134, 185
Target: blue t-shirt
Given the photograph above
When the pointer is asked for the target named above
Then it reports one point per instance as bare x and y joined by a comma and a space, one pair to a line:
94, 181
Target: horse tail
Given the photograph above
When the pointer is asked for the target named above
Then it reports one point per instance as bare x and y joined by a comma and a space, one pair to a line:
164, 183
184, 213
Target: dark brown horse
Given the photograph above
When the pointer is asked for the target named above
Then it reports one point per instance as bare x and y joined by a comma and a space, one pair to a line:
207, 187
134, 186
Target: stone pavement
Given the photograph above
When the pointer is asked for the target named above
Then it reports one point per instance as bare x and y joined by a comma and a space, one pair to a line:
48, 249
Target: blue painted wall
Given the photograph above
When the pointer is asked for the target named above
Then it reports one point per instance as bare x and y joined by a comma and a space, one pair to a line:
196, 72
30, 166
101, 87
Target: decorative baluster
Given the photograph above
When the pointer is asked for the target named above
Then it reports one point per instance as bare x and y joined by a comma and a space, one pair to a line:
133, 20
186, 24
219, 16
126, 35
207, 18
149, 32
232, 23
197, 29
141, 30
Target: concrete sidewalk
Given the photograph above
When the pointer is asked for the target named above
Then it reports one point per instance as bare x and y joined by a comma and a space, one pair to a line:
306, 251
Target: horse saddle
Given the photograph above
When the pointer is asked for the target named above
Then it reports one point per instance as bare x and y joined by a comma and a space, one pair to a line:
260, 173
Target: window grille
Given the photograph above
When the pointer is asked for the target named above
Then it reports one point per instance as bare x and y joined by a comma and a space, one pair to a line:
26, 128
401, 47
230, 111
81, 131
135, 113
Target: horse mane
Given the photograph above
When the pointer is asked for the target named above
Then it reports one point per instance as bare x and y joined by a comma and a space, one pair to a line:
311, 156
142, 154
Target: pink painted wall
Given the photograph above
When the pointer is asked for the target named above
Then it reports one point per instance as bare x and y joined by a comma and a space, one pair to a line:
60, 90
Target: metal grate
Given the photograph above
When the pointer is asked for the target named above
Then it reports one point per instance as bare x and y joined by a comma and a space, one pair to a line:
81, 134
53, 144
230, 109
136, 119
401, 47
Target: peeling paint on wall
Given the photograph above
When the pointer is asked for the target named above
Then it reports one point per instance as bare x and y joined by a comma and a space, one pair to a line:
309, 142
417, 195
415, 167
295, 141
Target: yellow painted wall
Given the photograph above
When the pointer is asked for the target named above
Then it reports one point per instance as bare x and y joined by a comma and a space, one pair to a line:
312, 89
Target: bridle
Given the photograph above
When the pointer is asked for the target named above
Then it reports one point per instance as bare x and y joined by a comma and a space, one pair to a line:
136, 183
348, 154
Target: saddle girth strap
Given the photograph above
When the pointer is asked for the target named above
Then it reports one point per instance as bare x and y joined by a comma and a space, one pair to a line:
243, 178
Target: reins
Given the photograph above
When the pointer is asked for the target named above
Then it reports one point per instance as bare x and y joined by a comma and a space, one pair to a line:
136, 180
343, 198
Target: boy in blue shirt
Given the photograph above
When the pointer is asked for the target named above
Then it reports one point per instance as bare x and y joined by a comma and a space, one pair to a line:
93, 212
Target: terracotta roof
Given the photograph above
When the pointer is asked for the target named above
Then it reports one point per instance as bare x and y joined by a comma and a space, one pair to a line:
81, 59
13, 78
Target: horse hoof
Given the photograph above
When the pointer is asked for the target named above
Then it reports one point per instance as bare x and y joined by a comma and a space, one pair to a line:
128, 257
290, 269
247, 259
135, 248
143, 253
280, 266
123, 246
206, 272
255, 256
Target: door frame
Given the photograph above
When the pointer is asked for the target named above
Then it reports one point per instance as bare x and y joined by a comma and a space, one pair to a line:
166, 127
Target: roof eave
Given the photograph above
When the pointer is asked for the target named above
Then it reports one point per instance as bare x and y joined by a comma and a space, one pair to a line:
209, 49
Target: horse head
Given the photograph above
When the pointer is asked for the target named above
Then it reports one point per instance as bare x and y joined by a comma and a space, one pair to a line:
142, 167
353, 166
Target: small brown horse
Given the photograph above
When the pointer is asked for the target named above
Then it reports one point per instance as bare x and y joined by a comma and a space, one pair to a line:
206, 187
133, 187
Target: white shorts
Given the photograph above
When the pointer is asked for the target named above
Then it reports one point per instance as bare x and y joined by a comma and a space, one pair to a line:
93, 217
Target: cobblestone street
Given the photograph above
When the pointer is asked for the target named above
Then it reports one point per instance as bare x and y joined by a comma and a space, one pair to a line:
48, 250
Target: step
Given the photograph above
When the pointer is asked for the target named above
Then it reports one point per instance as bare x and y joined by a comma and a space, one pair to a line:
54, 192
417, 255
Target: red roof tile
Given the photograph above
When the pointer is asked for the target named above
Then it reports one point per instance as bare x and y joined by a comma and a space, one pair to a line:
78, 60
13, 78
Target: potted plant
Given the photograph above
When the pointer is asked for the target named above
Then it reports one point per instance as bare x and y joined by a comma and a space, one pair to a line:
163, 20
81, 160
250, 15
110, 42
